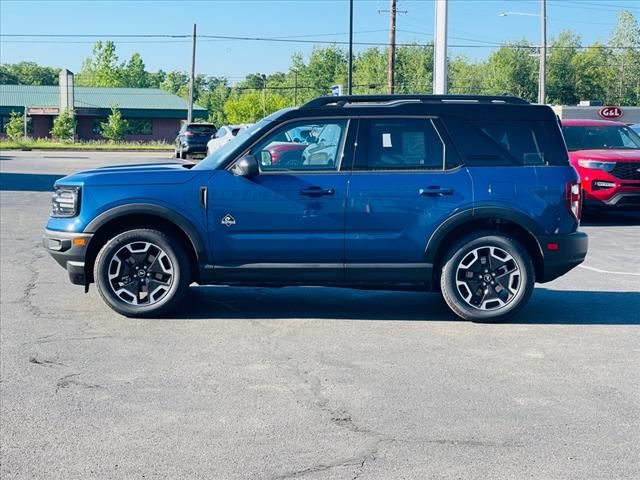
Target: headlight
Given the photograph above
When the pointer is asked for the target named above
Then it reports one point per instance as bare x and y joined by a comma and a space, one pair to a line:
65, 201
597, 164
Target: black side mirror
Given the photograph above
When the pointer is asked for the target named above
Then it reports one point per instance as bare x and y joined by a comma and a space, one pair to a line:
247, 166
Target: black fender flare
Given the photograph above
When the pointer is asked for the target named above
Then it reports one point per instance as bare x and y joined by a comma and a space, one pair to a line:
152, 209
480, 213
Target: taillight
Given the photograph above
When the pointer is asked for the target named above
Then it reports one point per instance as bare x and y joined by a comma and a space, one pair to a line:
187, 133
574, 199
275, 157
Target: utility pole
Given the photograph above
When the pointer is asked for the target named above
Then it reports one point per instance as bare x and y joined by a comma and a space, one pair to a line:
295, 88
440, 48
192, 78
264, 95
350, 79
542, 95
392, 47
25, 121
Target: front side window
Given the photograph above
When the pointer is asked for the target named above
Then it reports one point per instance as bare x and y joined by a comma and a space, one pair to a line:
303, 146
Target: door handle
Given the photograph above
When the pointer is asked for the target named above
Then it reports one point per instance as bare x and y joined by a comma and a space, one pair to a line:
435, 190
203, 197
316, 191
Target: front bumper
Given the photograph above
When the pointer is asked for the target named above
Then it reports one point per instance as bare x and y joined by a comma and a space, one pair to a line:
69, 250
619, 200
561, 253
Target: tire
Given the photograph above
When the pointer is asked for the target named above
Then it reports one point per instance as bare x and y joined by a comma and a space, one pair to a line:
487, 277
164, 280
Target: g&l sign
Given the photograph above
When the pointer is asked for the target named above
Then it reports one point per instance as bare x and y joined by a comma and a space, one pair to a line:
610, 113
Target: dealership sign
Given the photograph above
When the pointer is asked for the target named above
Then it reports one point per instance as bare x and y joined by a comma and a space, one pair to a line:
43, 111
610, 113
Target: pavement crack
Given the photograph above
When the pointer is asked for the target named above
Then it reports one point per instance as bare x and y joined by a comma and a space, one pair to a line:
357, 460
44, 362
68, 380
28, 292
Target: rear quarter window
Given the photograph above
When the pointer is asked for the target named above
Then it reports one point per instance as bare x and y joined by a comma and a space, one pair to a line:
507, 143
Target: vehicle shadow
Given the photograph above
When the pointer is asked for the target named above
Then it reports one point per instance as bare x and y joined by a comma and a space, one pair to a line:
611, 219
546, 307
28, 182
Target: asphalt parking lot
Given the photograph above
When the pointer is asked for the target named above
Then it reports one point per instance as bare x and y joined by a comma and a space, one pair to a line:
311, 383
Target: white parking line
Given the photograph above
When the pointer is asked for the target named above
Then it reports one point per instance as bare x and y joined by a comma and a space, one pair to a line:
593, 269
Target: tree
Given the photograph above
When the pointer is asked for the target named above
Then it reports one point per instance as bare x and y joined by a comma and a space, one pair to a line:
15, 126
176, 82
592, 74
561, 70
102, 69
370, 71
414, 69
64, 127
511, 70
28, 73
247, 107
115, 128
466, 77
134, 73
214, 102
625, 59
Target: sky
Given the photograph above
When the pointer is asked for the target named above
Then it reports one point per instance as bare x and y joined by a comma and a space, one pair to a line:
475, 27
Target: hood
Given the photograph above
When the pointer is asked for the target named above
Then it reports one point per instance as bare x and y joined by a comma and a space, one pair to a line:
613, 155
142, 174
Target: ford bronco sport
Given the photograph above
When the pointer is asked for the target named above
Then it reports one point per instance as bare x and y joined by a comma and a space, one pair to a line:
472, 196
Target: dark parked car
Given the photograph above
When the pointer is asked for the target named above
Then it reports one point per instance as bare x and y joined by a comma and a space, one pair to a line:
470, 196
192, 139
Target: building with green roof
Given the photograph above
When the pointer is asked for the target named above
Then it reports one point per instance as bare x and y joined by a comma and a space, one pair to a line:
152, 114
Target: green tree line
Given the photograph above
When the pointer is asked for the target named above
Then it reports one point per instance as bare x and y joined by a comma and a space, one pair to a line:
608, 71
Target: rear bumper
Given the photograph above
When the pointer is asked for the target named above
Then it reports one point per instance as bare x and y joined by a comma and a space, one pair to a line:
570, 252
69, 250
194, 148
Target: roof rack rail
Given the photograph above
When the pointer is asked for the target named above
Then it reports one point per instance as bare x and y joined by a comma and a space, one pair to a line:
341, 101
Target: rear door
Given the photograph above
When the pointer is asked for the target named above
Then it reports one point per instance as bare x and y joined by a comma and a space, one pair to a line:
406, 181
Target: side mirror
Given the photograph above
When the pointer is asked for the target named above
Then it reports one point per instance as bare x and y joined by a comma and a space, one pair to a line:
247, 166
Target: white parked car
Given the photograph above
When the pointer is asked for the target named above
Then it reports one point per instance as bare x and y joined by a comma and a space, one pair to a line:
224, 135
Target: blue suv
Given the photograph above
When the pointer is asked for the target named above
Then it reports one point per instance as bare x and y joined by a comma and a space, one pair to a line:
472, 196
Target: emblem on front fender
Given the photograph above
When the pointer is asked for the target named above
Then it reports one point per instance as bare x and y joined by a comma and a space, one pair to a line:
228, 220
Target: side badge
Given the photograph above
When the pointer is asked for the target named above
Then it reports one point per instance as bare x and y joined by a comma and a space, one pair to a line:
228, 220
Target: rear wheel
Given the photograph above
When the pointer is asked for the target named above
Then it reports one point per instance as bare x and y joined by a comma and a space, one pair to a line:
142, 272
487, 277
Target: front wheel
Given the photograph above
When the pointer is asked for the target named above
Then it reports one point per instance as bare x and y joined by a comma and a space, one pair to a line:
142, 272
487, 277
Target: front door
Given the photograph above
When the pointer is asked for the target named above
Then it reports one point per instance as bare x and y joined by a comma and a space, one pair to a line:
405, 183
285, 225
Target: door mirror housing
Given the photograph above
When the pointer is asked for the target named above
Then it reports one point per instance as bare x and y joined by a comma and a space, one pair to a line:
247, 166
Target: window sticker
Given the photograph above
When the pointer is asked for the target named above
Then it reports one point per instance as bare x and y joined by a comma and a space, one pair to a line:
386, 140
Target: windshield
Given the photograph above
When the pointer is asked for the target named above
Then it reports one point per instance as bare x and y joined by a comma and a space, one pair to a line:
220, 155
600, 138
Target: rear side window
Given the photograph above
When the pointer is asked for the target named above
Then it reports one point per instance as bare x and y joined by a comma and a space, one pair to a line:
400, 144
507, 143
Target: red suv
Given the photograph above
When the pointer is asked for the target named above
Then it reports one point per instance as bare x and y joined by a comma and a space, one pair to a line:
606, 155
